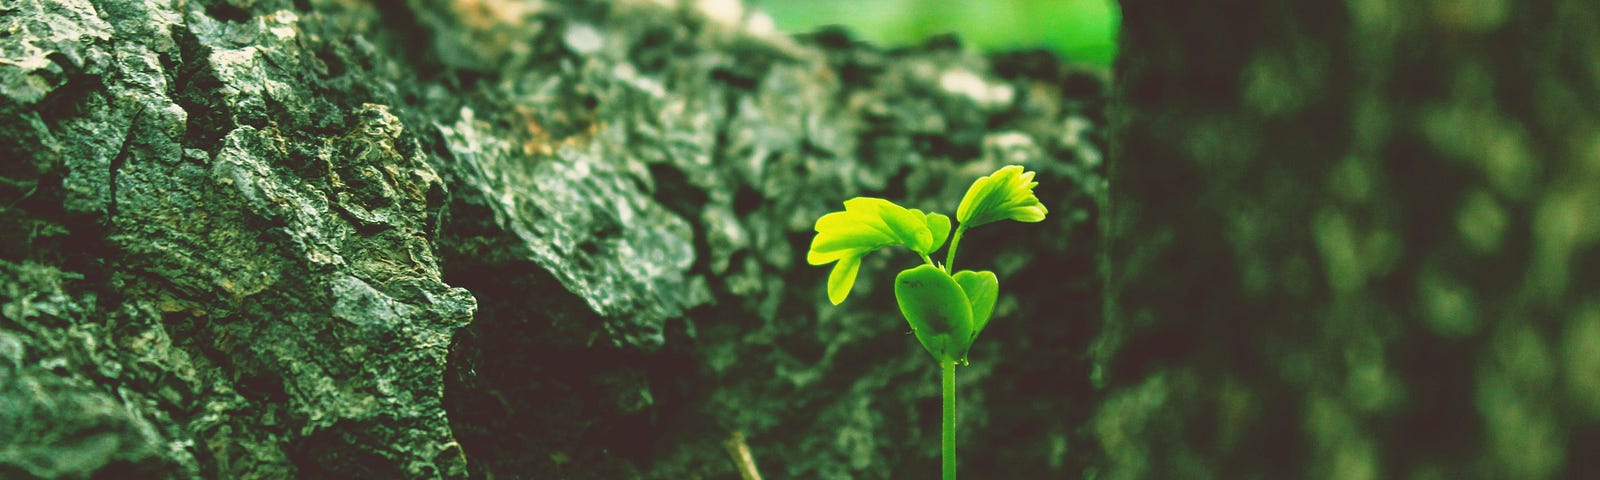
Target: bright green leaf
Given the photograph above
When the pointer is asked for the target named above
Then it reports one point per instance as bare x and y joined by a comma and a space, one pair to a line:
1005, 194
937, 310
865, 225
939, 226
842, 278
844, 234
907, 228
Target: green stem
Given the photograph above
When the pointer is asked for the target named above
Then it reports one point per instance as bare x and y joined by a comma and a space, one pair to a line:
949, 419
926, 260
950, 256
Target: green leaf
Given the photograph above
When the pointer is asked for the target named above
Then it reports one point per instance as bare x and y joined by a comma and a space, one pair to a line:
907, 228
1005, 194
866, 224
939, 226
845, 234
937, 310
842, 278
981, 288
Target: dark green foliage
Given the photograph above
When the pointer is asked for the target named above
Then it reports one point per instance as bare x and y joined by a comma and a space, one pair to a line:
1353, 240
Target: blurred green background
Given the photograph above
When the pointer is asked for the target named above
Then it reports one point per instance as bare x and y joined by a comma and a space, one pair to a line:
1079, 30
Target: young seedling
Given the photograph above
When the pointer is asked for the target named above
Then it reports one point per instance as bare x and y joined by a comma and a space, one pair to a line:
946, 309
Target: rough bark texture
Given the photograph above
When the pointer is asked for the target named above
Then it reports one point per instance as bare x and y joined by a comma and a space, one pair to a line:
518, 239
1353, 240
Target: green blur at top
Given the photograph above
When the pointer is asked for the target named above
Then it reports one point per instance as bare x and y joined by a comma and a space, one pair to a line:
1078, 30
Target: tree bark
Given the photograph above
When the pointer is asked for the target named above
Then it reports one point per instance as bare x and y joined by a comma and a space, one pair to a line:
519, 239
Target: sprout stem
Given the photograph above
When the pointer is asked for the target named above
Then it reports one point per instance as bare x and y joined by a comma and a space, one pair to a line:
949, 378
950, 256
742, 457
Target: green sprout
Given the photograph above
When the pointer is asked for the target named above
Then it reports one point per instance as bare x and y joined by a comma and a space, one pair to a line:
946, 310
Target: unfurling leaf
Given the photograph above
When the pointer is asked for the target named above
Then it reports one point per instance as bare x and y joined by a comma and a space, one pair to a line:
1005, 194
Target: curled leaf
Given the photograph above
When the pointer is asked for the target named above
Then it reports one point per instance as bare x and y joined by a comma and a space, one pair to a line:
1005, 194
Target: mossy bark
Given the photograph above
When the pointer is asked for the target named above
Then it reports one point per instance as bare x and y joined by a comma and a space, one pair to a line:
558, 239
